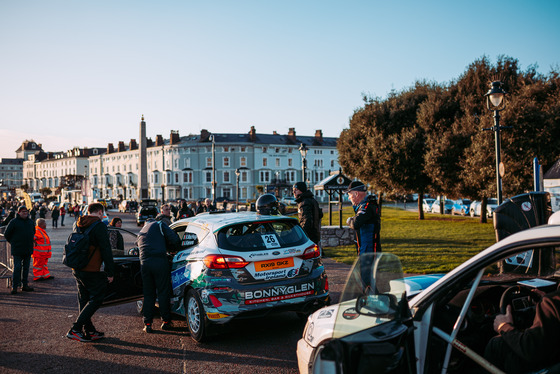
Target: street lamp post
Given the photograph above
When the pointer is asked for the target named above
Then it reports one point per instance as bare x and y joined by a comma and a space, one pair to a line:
303, 150
162, 193
212, 139
237, 173
495, 102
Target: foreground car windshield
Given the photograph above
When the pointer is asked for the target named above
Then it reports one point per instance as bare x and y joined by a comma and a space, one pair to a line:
377, 279
251, 236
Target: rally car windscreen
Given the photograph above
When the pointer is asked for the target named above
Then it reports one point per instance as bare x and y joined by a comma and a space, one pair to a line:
263, 235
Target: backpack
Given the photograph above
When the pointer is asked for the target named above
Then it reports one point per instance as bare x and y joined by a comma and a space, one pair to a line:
76, 250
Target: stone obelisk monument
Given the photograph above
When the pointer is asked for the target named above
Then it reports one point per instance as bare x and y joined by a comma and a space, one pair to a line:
143, 166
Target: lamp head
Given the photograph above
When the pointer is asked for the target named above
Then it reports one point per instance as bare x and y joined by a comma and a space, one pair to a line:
303, 150
495, 96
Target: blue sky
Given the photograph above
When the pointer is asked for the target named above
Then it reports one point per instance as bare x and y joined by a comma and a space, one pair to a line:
81, 73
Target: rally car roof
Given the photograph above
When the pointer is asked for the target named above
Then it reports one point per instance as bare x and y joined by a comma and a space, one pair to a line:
217, 220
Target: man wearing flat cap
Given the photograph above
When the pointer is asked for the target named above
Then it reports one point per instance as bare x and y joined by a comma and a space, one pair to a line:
367, 221
309, 212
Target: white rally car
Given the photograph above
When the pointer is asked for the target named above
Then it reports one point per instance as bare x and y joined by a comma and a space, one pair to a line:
234, 265
444, 328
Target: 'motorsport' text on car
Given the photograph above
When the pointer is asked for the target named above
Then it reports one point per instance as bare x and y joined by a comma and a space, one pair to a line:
236, 265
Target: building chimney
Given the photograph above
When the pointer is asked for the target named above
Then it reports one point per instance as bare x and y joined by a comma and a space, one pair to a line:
292, 134
159, 140
204, 135
253, 134
120, 147
110, 148
319, 136
174, 137
132, 145
149, 142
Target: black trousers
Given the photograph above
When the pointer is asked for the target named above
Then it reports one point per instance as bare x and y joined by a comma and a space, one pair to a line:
92, 287
500, 354
156, 276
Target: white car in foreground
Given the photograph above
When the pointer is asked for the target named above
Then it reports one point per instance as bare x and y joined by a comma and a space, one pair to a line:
444, 328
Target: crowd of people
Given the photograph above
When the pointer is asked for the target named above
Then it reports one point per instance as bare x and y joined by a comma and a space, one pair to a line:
28, 237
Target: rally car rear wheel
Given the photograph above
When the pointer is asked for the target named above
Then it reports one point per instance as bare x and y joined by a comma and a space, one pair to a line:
195, 316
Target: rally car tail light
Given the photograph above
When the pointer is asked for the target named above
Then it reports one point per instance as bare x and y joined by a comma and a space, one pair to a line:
311, 252
224, 262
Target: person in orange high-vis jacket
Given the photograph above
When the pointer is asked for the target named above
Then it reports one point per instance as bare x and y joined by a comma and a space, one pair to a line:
41, 251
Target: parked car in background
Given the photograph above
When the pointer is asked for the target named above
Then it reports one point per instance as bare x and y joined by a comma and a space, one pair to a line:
461, 206
475, 207
234, 266
447, 206
128, 206
427, 204
145, 212
52, 204
288, 200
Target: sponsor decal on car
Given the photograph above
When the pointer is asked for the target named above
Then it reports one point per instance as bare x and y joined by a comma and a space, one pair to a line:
180, 276
189, 239
216, 315
274, 264
290, 251
182, 256
258, 254
350, 313
326, 313
218, 280
279, 293
310, 329
276, 274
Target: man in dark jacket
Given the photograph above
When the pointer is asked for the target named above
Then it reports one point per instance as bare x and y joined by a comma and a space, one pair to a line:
92, 282
520, 351
309, 212
184, 212
20, 233
165, 215
154, 241
367, 221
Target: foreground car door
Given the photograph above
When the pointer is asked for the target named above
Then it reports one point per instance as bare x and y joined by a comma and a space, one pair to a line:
374, 334
127, 282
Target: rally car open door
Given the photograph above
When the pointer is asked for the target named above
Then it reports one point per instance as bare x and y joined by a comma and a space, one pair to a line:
127, 282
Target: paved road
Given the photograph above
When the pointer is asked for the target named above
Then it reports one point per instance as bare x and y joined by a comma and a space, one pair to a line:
33, 328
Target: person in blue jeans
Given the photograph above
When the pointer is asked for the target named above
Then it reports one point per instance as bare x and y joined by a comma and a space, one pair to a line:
92, 283
20, 233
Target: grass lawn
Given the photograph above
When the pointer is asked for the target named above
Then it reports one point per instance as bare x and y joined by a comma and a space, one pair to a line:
436, 244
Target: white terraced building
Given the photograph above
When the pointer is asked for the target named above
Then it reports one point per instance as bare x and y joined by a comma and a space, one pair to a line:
181, 167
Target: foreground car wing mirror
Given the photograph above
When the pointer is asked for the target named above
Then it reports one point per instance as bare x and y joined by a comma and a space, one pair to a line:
374, 305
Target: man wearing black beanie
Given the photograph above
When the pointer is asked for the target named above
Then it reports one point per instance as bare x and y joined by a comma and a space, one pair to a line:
309, 212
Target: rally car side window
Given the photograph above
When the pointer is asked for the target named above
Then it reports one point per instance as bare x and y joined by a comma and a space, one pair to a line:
191, 235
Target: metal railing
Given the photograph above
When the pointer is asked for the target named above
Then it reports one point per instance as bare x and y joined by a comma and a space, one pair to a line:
6, 260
